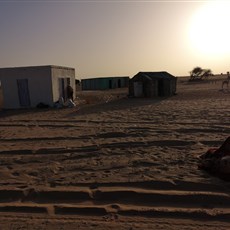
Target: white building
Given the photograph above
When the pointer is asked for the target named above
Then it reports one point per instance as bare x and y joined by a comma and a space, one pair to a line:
26, 87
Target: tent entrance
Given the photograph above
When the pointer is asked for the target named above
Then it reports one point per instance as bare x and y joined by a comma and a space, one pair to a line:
23, 92
160, 87
138, 89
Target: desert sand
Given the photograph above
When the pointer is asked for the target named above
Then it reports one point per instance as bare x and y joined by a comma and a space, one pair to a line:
115, 162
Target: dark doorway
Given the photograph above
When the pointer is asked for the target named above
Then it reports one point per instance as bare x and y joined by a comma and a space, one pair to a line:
161, 88
119, 83
1, 96
110, 84
23, 92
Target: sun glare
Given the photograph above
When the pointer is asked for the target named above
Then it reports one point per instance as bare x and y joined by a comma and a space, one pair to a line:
209, 32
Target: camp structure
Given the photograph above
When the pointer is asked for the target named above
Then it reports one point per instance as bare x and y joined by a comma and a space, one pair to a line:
27, 87
152, 84
104, 83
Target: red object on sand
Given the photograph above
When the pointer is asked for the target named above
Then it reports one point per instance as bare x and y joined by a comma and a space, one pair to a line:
217, 160
222, 151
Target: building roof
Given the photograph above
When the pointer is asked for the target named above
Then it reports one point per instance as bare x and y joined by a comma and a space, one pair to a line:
37, 67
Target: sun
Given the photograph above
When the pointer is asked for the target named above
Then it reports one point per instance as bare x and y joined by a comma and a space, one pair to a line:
209, 31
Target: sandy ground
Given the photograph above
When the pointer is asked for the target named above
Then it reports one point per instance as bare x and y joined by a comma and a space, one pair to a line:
125, 163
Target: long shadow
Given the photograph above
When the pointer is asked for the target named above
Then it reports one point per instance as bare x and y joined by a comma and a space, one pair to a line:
115, 105
13, 112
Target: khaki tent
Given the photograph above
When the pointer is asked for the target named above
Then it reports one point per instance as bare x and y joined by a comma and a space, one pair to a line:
152, 84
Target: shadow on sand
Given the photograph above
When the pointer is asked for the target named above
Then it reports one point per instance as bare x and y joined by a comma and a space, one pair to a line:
85, 109
116, 105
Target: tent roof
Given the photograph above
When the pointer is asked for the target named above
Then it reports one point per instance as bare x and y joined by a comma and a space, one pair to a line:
154, 75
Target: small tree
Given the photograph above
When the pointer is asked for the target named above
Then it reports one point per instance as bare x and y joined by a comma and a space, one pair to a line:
195, 72
206, 73
199, 73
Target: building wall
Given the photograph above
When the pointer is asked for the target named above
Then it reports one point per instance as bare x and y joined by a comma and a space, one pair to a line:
58, 73
174, 86
170, 87
39, 85
104, 83
151, 88
95, 84
43, 84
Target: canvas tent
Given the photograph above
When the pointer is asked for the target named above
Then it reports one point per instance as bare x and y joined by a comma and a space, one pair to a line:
152, 84
26, 87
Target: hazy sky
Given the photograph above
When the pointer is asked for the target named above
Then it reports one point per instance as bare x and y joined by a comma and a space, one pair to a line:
116, 38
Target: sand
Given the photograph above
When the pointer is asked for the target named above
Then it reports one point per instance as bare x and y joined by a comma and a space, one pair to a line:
115, 162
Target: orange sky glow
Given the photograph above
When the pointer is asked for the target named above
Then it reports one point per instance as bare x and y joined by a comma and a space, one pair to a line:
116, 38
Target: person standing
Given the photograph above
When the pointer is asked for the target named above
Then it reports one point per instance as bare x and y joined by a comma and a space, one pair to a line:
69, 91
